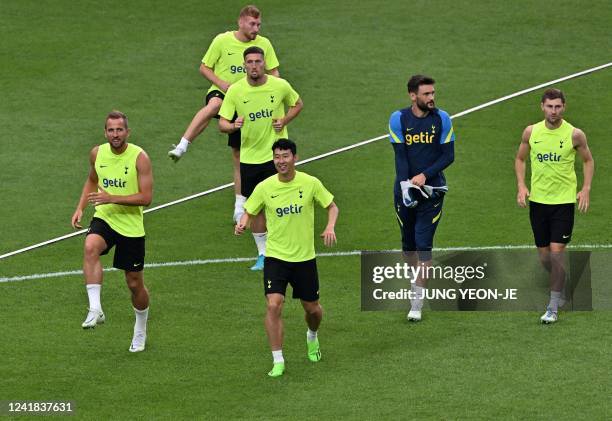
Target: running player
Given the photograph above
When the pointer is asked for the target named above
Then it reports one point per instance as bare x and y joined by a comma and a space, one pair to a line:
288, 200
423, 141
551, 146
119, 184
259, 101
223, 65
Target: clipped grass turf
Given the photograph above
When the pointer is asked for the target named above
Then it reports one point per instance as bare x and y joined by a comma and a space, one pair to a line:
65, 65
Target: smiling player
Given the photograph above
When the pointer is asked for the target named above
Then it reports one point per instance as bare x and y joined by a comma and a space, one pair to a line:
288, 200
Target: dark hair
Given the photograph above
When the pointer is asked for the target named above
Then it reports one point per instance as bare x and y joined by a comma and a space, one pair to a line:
253, 50
249, 10
116, 115
285, 145
418, 80
553, 93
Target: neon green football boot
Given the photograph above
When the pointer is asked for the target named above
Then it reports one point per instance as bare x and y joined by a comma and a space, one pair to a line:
277, 370
314, 351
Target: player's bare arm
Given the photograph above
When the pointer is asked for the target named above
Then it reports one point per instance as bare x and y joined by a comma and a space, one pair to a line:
274, 72
579, 141
292, 112
520, 166
242, 225
209, 74
91, 185
329, 235
227, 126
145, 187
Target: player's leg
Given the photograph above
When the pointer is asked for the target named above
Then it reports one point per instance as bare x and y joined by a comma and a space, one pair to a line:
129, 256
251, 175
98, 241
561, 226
234, 143
540, 220
140, 302
275, 286
428, 216
274, 331
197, 125
305, 282
406, 219
258, 228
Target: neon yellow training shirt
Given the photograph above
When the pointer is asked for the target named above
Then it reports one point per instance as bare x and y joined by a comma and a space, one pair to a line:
259, 105
117, 175
224, 56
289, 211
553, 179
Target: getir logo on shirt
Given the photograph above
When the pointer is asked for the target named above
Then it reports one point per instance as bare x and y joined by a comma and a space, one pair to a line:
288, 210
421, 137
265, 113
548, 157
115, 182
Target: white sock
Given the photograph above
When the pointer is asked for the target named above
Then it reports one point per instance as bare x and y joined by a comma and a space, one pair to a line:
277, 356
555, 296
93, 292
239, 203
311, 335
141, 320
418, 292
260, 242
184, 144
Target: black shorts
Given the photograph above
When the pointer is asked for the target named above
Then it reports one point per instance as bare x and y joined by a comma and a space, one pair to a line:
551, 223
302, 276
233, 139
129, 251
253, 174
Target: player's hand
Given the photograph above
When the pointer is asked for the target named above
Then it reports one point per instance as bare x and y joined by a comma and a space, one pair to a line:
329, 236
419, 180
76, 219
239, 229
583, 200
278, 124
522, 195
99, 198
238, 122
241, 226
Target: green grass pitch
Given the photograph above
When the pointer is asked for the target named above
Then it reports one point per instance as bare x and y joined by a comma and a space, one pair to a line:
66, 64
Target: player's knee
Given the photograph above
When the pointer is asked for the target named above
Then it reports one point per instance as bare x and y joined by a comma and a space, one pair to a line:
212, 109
274, 308
91, 251
134, 281
313, 308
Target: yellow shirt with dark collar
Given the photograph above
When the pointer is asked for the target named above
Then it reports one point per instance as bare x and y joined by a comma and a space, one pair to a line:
117, 175
289, 210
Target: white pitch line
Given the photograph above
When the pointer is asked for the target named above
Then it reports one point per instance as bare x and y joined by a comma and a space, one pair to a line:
325, 155
199, 262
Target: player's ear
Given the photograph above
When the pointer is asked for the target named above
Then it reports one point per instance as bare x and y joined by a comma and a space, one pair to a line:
295, 158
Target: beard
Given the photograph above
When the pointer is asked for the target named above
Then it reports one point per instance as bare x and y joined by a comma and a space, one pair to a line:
424, 106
